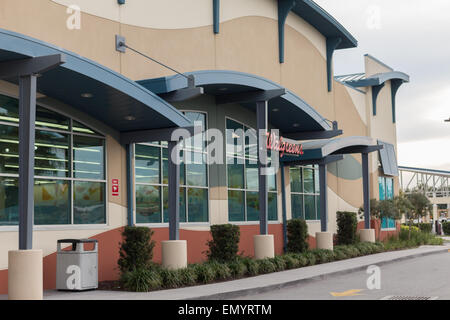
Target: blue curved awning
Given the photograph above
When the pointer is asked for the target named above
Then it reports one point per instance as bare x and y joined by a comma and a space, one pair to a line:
294, 115
319, 149
113, 96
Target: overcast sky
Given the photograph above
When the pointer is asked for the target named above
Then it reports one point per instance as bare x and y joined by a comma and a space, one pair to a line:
412, 36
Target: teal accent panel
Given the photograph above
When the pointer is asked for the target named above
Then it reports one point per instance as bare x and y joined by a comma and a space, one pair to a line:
348, 168
284, 7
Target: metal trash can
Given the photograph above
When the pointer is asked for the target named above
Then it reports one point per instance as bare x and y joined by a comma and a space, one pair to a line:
77, 269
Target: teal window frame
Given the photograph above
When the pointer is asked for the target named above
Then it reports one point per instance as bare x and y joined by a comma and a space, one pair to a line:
186, 188
301, 195
49, 123
245, 156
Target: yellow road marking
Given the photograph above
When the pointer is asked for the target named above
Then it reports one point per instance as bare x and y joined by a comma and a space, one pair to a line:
348, 293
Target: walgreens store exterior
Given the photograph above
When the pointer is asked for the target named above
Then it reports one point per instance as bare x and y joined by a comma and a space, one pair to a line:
98, 118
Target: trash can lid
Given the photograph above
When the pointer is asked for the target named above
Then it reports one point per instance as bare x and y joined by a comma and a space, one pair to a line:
77, 241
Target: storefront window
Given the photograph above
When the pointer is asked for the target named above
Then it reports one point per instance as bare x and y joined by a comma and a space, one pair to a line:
152, 176
242, 171
386, 192
70, 185
305, 192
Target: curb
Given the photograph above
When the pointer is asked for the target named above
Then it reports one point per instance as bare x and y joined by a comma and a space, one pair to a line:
263, 289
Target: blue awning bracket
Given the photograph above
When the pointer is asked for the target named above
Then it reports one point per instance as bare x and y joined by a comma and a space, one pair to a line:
375, 92
284, 7
216, 16
332, 44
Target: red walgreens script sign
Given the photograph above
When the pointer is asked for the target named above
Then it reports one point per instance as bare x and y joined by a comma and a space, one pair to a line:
115, 187
277, 143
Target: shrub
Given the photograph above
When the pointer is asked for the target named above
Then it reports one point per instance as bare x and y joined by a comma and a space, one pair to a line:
310, 258
171, 278
425, 227
238, 268
322, 255
224, 245
221, 270
446, 228
266, 266
347, 224
141, 280
136, 251
252, 266
205, 272
279, 263
297, 234
188, 276
290, 262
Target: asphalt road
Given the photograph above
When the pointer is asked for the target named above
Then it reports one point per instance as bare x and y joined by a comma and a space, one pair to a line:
427, 276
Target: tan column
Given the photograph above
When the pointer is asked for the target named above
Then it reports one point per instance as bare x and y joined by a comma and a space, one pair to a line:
367, 235
174, 254
324, 240
264, 246
25, 275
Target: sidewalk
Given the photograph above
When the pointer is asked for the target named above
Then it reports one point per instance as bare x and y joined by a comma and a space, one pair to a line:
253, 285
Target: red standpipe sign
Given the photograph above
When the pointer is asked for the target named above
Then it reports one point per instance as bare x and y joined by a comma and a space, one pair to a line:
115, 187
278, 144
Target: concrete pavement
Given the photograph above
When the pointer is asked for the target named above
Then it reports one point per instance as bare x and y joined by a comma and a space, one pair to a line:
253, 285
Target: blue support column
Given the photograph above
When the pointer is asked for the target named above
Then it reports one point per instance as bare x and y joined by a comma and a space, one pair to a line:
130, 184
174, 190
332, 44
323, 197
27, 117
366, 189
261, 123
283, 206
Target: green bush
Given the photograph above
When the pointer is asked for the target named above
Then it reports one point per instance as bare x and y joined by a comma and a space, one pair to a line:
279, 263
347, 223
266, 266
297, 235
446, 228
322, 255
136, 251
238, 268
221, 270
205, 272
290, 262
310, 258
171, 278
252, 266
425, 227
188, 276
141, 280
224, 245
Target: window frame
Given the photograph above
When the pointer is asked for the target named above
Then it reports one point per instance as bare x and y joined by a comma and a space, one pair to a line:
245, 190
315, 194
163, 185
99, 134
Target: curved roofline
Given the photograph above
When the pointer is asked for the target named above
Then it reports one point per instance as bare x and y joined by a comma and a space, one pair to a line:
217, 77
31, 47
380, 78
322, 148
325, 23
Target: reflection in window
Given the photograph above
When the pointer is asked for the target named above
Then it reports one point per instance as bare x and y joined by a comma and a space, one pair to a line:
305, 192
243, 176
151, 173
66, 154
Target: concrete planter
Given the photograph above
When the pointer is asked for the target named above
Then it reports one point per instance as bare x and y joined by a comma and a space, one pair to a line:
324, 240
264, 246
367, 235
174, 254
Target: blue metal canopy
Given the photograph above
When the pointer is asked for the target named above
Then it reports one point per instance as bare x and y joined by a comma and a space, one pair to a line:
93, 89
360, 80
293, 114
319, 149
